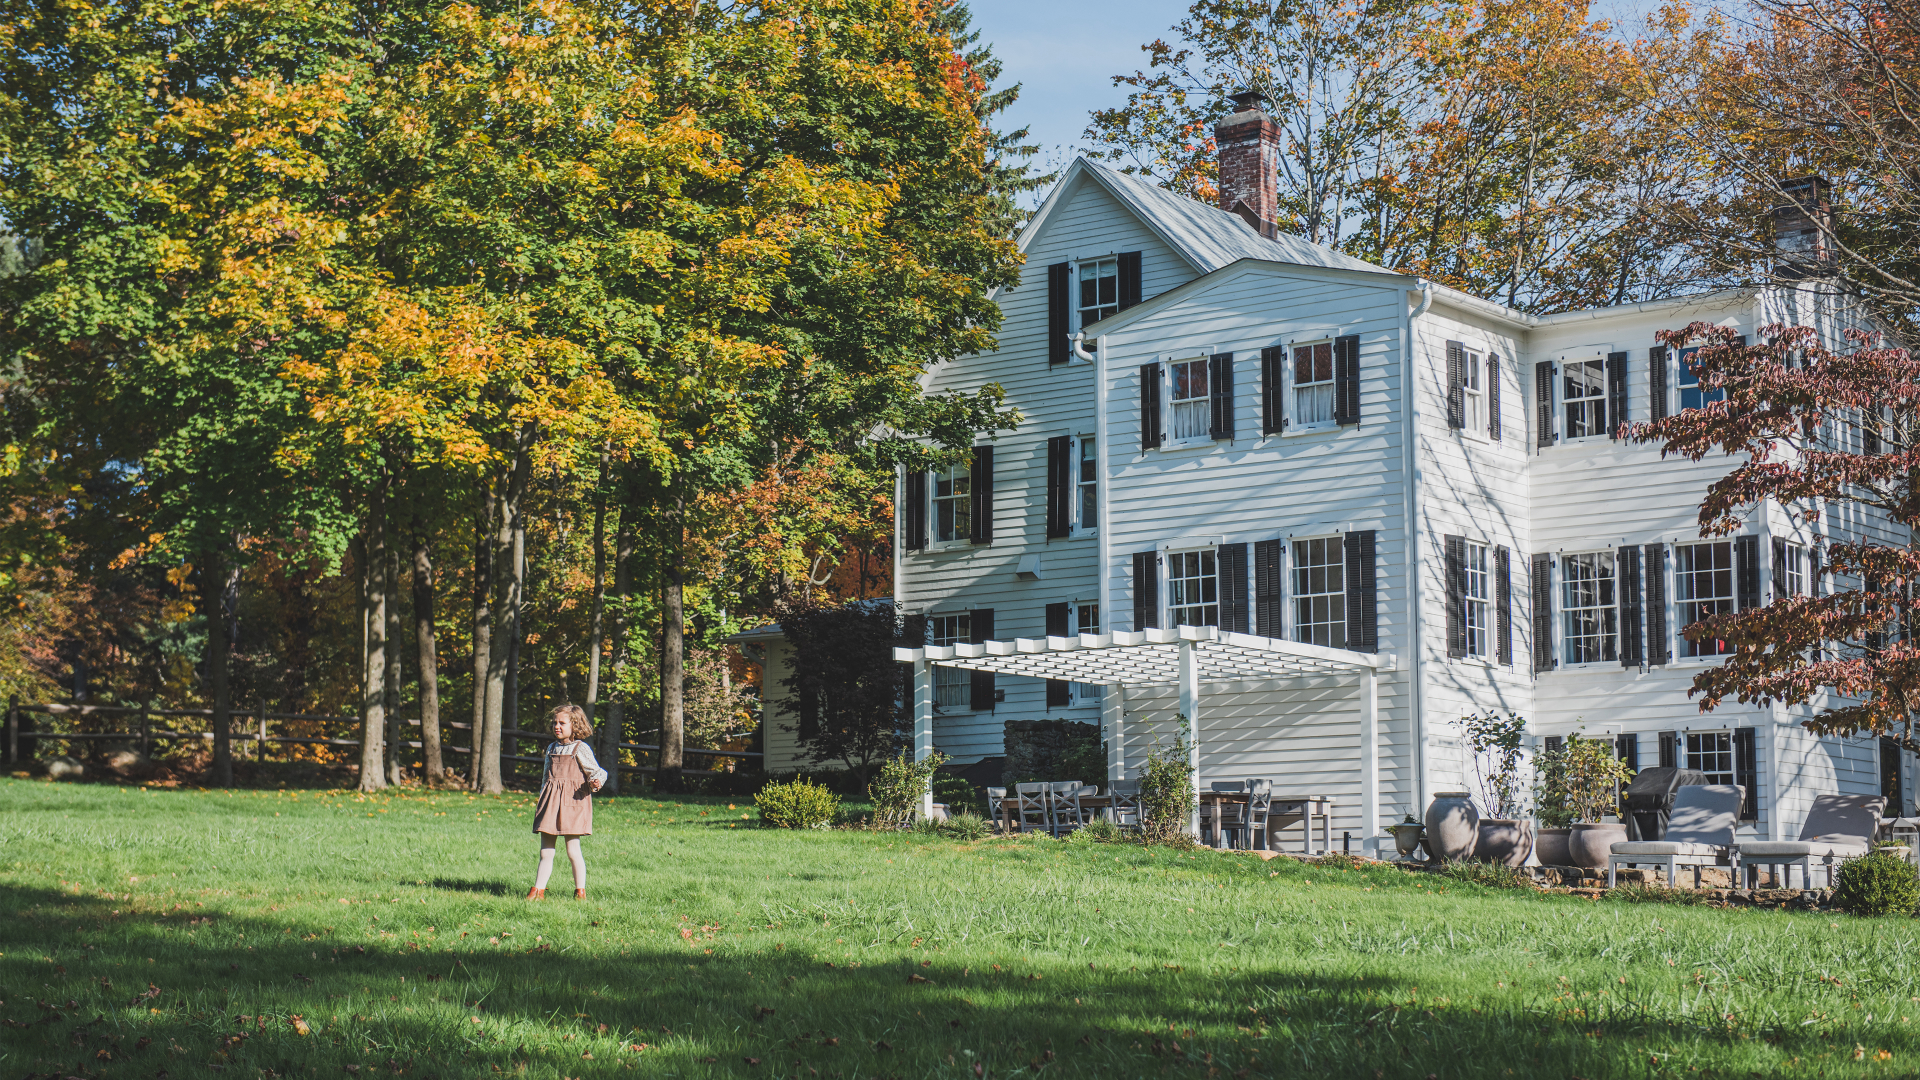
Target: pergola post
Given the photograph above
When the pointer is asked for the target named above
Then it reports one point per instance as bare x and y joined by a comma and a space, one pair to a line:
1113, 712
1369, 758
1190, 708
923, 726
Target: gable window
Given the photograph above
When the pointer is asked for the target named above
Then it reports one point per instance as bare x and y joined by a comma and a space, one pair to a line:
953, 503
1193, 588
1086, 482
1313, 384
1099, 294
1691, 395
1474, 393
1320, 592
1592, 619
1190, 406
1479, 622
1703, 587
1711, 752
952, 687
1584, 393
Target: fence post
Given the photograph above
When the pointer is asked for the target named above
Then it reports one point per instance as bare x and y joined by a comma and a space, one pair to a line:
146, 729
260, 747
13, 729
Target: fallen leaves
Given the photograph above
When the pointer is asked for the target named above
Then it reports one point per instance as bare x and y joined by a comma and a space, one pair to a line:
299, 1025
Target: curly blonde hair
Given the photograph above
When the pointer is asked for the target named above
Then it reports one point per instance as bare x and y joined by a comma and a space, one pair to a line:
578, 726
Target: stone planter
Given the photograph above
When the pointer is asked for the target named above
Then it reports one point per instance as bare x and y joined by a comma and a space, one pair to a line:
1551, 846
1592, 842
1453, 826
1407, 837
1507, 841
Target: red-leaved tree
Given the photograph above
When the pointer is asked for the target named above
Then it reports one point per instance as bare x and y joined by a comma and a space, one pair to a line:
1819, 430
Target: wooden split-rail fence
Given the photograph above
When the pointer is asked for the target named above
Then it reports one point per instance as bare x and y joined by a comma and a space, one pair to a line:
255, 726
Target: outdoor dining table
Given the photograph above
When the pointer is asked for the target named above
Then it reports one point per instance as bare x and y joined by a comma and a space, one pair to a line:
1283, 811
1010, 809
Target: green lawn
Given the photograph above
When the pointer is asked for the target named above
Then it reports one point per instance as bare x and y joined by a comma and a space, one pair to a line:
152, 933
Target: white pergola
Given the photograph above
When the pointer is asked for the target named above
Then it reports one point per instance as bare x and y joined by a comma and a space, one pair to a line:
1185, 656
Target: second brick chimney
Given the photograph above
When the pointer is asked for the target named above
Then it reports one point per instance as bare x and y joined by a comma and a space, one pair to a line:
1249, 149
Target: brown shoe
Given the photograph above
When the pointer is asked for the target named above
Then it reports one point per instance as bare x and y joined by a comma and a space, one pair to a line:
536, 894
579, 894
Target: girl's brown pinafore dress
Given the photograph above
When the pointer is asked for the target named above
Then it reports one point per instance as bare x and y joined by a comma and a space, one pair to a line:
566, 800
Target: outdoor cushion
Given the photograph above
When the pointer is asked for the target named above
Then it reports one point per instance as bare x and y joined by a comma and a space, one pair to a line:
1837, 846
1704, 814
1665, 847
1843, 815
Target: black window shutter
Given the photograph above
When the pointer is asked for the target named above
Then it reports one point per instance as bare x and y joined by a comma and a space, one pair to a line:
1627, 591
1233, 588
1059, 484
981, 682
1554, 743
1346, 379
1273, 402
1543, 402
1870, 432
1146, 589
1056, 627
1363, 609
983, 494
1269, 589
1616, 393
1746, 772
1779, 568
1456, 595
1746, 570
1456, 385
1669, 751
1059, 314
1129, 279
1657, 383
1542, 588
1814, 585
1150, 436
1627, 748
1655, 584
1058, 693
1220, 380
1493, 398
914, 520
1503, 604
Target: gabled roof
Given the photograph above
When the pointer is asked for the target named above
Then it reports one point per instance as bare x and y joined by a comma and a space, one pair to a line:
1205, 236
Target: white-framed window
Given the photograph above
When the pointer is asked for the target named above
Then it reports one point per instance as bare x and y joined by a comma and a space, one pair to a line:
952, 687
1703, 587
1793, 569
1099, 291
1193, 588
1479, 612
1711, 752
1189, 401
1086, 484
1086, 620
1312, 385
1320, 592
1592, 619
1688, 380
1583, 396
1473, 392
952, 495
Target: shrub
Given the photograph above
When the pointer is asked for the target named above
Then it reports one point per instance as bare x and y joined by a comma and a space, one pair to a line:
1166, 792
957, 794
1876, 884
1097, 831
896, 791
798, 804
964, 826
1490, 875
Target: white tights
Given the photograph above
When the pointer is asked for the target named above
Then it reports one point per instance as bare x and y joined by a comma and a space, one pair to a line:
578, 860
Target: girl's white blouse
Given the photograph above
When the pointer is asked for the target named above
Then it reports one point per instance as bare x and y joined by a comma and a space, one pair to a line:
581, 752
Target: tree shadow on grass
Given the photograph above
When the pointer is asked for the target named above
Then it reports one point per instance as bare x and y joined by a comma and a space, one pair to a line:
89, 990
491, 888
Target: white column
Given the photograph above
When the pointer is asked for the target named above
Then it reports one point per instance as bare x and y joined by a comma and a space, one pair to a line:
1113, 717
1369, 758
923, 725
1190, 707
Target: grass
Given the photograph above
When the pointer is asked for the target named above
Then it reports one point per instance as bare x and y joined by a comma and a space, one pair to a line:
320, 933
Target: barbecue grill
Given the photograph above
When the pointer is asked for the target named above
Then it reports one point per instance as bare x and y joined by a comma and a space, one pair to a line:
1649, 799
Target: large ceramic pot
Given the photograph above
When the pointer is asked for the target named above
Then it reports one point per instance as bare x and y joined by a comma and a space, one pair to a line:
1551, 846
1592, 842
1507, 841
1406, 837
1453, 826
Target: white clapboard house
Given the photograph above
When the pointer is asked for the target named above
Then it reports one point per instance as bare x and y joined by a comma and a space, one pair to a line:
1326, 509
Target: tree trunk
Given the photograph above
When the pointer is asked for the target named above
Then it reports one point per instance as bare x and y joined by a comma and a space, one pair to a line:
614, 731
673, 676
423, 628
396, 728
516, 608
373, 618
477, 773
219, 649
594, 632
506, 596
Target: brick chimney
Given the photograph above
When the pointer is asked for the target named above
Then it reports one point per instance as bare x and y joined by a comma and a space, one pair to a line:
1249, 148
1803, 228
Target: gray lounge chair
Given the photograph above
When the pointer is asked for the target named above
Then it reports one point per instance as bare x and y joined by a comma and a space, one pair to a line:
1699, 833
1838, 827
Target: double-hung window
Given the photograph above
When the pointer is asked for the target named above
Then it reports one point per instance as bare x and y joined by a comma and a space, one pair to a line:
1691, 395
1473, 391
1099, 290
1592, 617
1193, 588
1086, 620
1313, 384
952, 687
1086, 483
1583, 392
1793, 569
1479, 611
1320, 592
1190, 405
1703, 587
953, 503
1711, 752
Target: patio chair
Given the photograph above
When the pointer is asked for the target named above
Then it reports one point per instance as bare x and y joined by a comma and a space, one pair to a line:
1124, 809
1216, 817
1031, 807
996, 802
1699, 833
1838, 827
1064, 804
1248, 821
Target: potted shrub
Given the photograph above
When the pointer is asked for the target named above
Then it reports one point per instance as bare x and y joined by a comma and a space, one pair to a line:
1594, 776
1553, 807
1504, 836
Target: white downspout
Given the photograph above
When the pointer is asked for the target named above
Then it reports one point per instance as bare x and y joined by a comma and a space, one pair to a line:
1416, 670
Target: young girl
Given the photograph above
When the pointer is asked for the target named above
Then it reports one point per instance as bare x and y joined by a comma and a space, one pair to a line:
567, 784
